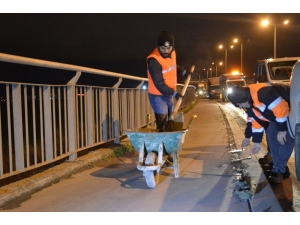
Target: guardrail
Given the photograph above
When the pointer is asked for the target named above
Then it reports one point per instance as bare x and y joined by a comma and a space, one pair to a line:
43, 123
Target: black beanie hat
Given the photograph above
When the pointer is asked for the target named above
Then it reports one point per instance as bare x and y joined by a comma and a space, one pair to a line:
166, 38
239, 95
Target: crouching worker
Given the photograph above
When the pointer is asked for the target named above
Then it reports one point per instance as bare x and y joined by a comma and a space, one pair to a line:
272, 106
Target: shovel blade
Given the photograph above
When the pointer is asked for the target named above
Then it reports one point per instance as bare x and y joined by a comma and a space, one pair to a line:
176, 124
178, 117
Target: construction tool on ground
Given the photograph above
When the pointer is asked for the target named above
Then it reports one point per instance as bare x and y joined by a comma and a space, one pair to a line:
175, 122
235, 150
241, 159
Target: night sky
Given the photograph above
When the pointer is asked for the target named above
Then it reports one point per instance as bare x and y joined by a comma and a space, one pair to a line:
120, 42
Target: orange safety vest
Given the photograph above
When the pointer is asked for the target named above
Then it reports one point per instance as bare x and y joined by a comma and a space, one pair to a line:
256, 127
169, 71
279, 107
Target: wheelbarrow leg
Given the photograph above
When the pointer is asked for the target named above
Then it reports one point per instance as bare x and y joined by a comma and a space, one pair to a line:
176, 163
141, 157
141, 154
160, 154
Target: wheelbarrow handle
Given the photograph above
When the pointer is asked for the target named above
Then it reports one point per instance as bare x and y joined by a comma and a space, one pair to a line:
190, 122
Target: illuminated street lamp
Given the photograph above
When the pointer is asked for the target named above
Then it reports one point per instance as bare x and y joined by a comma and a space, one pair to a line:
236, 41
221, 47
207, 72
220, 63
266, 23
216, 67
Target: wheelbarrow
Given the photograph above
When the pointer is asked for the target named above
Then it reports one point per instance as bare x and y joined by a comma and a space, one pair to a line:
154, 148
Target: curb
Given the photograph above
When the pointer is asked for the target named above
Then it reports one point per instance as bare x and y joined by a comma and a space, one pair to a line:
263, 199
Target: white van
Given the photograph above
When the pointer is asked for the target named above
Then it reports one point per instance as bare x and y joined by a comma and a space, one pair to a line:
275, 70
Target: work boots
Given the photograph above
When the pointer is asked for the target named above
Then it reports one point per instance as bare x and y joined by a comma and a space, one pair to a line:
265, 160
276, 176
161, 120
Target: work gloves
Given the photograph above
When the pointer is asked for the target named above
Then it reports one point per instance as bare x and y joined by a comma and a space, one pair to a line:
246, 142
177, 95
281, 137
255, 148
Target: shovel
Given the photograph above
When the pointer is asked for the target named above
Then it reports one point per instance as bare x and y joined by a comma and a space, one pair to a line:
175, 122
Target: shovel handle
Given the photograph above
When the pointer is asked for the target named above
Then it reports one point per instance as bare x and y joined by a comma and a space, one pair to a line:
187, 80
183, 90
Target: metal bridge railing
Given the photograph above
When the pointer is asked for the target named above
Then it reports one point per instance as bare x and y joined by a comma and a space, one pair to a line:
44, 123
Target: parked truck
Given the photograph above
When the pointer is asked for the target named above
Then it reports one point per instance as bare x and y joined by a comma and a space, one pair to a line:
227, 81
213, 87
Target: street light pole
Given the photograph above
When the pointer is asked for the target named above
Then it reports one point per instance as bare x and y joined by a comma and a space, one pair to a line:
241, 57
225, 60
220, 63
221, 47
235, 41
274, 41
265, 23
206, 73
216, 68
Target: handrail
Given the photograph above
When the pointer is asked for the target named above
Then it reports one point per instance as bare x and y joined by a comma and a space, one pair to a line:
49, 64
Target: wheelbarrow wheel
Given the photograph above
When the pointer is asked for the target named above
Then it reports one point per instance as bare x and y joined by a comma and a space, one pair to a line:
151, 178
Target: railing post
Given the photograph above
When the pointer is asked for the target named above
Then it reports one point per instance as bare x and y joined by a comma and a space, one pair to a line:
103, 114
90, 115
143, 108
72, 122
18, 123
131, 106
116, 119
48, 123
138, 106
124, 121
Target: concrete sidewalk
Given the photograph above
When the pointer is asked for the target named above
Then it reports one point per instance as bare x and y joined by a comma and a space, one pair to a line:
218, 129
207, 172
